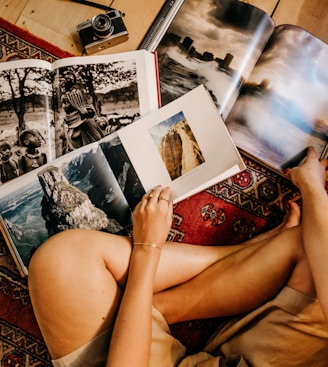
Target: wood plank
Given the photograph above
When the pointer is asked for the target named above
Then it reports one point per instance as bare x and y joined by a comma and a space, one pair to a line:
56, 21
57, 27
266, 5
311, 15
12, 9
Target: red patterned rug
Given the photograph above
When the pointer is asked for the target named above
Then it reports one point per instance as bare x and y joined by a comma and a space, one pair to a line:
21, 344
15, 43
226, 213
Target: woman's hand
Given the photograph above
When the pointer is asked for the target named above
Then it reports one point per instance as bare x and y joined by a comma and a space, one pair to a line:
311, 173
152, 217
311, 179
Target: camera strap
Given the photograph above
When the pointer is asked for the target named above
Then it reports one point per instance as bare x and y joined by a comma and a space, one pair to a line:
95, 5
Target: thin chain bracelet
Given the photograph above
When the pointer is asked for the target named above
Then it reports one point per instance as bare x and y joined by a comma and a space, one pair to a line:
147, 244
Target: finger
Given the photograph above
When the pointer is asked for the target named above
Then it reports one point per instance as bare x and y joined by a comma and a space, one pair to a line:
150, 197
154, 194
146, 197
165, 195
311, 153
165, 201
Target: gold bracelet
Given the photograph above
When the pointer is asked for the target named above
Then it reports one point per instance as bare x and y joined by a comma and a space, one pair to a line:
147, 244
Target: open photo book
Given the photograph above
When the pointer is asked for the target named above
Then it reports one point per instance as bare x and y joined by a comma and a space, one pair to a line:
270, 84
184, 145
49, 109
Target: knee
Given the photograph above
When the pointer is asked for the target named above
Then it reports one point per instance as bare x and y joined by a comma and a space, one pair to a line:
58, 243
56, 255
75, 255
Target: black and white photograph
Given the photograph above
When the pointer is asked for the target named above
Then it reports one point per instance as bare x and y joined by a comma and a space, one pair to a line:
215, 43
123, 169
25, 118
50, 109
177, 145
94, 100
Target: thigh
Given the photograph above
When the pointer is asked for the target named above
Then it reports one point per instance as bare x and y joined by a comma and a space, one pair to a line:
76, 280
74, 294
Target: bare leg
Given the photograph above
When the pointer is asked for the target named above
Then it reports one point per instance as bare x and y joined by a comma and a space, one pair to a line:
76, 280
241, 281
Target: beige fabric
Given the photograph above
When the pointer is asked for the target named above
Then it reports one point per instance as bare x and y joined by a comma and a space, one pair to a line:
288, 331
166, 351
92, 354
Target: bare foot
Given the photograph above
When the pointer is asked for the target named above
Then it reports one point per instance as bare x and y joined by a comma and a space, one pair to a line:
292, 219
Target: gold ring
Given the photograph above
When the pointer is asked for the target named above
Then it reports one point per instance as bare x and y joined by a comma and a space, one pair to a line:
162, 198
151, 195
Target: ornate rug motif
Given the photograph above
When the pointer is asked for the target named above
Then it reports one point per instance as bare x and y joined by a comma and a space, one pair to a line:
226, 213
234, 210
15, 43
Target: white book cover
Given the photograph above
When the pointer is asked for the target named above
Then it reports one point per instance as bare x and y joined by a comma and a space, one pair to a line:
184, 145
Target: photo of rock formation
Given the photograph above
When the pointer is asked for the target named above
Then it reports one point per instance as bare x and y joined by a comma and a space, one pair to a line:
177, 145
64, 206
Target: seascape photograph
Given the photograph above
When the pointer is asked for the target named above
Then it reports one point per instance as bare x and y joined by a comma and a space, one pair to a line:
216, 44
283, 108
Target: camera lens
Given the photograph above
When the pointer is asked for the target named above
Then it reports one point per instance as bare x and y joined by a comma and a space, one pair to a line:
102, 25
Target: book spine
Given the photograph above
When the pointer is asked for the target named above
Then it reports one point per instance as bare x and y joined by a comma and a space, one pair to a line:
160, 25
4, 232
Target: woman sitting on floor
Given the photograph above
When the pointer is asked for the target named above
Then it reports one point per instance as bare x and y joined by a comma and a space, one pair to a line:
105, 300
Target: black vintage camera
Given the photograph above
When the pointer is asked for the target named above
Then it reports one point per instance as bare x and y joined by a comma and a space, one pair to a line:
103, 31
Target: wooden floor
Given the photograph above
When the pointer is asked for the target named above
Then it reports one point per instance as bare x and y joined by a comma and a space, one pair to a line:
56, 20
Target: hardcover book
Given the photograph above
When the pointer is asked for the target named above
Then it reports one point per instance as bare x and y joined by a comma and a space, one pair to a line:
47, 110
269, 83
184, 145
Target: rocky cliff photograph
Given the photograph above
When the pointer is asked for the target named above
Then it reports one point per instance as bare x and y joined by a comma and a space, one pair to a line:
177, 145
78, 190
